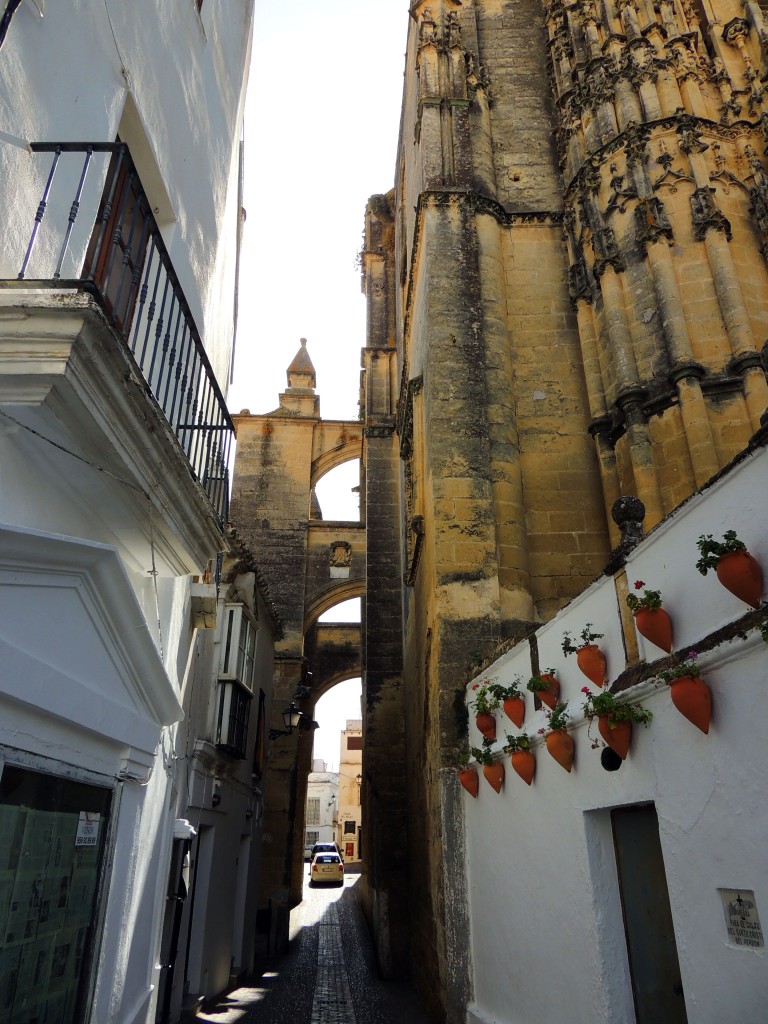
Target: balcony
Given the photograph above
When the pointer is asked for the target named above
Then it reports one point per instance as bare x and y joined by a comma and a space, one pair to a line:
128, 272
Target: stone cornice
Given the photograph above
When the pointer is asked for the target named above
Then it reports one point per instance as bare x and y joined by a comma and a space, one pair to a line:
620, 141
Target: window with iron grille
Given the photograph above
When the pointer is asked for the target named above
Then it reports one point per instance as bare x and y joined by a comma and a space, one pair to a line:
232, 722
313, 810
350, 827
312, 838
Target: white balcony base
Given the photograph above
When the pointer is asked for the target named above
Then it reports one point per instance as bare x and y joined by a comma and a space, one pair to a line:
66, 374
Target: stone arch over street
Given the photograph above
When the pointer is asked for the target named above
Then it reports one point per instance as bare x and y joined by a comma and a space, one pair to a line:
344, 451
312, 564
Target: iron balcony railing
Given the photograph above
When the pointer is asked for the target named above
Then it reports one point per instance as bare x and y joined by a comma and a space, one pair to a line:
127, 269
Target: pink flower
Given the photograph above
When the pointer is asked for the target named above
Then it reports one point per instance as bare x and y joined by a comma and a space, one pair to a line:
693, 655
541, 732
585, 689
639, 584
475, 686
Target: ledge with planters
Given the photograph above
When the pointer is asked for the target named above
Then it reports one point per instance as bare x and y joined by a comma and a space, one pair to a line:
677, 725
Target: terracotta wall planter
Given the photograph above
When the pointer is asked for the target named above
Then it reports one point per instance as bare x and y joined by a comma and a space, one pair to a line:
524, 763
692, 698
514, 709
618, 736
591, 661
740, 573
494, 774
470, 780
486, 723
551, 695
561, 746
655, 625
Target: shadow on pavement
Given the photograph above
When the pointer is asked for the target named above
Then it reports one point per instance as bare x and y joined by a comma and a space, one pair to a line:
281, 990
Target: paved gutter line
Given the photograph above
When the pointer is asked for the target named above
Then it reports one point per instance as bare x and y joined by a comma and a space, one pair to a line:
332, 1002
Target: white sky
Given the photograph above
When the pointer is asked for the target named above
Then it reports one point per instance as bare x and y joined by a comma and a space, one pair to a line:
322, 118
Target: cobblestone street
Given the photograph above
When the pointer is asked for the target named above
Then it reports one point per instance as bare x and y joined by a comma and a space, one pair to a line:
328, 975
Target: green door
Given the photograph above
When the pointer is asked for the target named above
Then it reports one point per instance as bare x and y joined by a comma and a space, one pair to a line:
653, 963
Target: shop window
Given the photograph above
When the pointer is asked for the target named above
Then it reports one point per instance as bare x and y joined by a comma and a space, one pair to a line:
52, 837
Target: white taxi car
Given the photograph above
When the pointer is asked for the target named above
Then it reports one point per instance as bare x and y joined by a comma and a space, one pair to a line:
326, 867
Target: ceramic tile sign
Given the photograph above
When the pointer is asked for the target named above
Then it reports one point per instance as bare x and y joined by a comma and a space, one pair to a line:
741, 918
87, 829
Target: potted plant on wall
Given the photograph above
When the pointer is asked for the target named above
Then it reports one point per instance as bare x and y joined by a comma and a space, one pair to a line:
650, 618
614, 718
736, 569
546, 687
513, 701
493, 769
521, 756
589, 657
559, 743
690, 694
468, 776
485, 702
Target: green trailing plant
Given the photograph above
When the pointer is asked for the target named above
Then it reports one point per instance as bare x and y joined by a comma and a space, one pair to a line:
587, 636
558, 718
649, 599
485, 699
687, 667
482, 755
597, 704
711, 550
536, 683
519, 742
502, 693
463, 759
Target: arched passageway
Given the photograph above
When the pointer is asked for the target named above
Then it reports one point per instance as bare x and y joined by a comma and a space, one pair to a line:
312, 564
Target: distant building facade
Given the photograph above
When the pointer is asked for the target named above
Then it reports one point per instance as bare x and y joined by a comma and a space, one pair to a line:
350, 829
322, 806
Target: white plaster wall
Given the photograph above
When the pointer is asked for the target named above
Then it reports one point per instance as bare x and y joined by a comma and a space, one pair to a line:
83, 691
237, 817
547, 936
69, 76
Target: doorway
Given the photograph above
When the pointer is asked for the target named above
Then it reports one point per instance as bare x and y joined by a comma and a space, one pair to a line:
654, 967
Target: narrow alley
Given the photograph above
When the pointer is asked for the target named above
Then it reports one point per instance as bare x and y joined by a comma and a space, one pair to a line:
328, 975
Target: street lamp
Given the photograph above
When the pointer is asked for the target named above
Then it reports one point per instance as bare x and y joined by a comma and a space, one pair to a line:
293, 719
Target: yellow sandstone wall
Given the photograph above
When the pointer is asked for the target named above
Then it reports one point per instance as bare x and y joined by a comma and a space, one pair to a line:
580, 295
